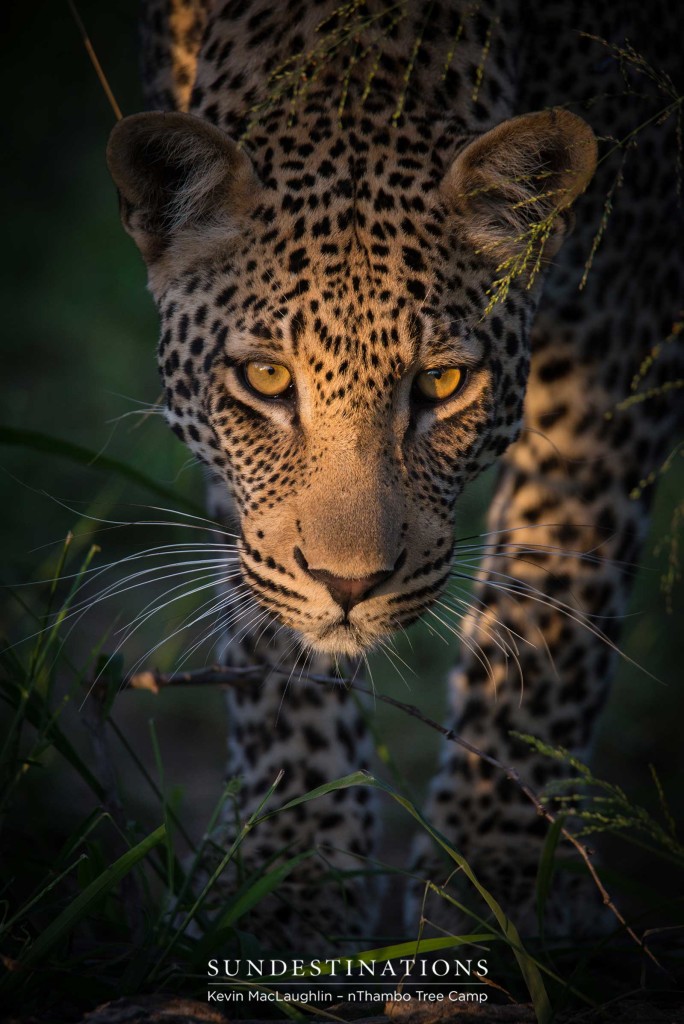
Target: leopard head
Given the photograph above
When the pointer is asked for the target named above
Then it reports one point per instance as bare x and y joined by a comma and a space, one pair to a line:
329, 346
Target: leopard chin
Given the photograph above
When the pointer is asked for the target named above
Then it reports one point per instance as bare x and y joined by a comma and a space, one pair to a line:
350, 635
340, 637
343, 639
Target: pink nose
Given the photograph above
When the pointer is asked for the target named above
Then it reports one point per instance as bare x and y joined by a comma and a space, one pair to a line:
346, 592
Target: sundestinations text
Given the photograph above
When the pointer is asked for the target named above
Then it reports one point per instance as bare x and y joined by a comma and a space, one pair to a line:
335, 968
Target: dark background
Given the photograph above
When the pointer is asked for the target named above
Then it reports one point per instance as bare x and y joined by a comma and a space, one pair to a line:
78, 363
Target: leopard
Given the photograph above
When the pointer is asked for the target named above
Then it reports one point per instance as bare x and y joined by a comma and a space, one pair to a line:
392, 244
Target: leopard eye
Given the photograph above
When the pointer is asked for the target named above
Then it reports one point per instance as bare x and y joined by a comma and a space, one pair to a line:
439, 384
269, 379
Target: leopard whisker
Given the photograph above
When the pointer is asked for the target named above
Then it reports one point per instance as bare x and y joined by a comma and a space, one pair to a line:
215, 578
207, 609
561, 550
223, 620
507, 649
216, 575
504, 646
308, 655
468, 642
212, 524
472, 599
385, 648
282, 627
369, 671
308, 658
180, 547
508, 629
518, 582
530, 593
527, 553
258, 616
145, 577
140, 413
398, 625
80, 609
294, 642
119, 523
185, 624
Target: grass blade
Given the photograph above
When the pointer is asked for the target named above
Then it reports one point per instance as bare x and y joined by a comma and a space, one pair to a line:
547, 864
528, 968
48, 445
79, 907
265, 884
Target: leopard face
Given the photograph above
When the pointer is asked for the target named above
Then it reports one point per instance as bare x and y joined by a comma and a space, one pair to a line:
327, 345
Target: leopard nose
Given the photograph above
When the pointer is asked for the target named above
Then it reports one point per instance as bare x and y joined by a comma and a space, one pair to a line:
349, 592
345, 591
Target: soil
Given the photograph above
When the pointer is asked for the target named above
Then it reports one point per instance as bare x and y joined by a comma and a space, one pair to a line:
646, 1008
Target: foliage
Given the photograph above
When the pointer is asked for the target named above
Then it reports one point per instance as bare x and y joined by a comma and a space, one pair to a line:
670, 539
77, 921
354, 33
525, 264
601, 806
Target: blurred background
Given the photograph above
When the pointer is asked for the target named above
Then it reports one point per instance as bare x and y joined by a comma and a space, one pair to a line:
79, 367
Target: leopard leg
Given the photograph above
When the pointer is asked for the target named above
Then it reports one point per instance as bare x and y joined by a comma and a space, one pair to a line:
284, 727
305, 734
563, 536
569, 518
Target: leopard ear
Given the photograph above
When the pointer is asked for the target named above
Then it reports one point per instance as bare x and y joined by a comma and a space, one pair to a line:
174, 172
520, 179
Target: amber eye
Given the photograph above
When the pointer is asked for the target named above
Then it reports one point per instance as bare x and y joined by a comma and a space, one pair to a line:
438, 384
269, 379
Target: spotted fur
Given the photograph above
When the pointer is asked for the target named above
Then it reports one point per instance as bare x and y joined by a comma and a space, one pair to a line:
341, 198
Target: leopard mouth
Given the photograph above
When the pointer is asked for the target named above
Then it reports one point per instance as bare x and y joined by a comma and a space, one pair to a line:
341, 624
343, 637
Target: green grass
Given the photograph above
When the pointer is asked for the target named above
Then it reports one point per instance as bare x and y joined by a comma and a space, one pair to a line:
108, 910
98, 923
